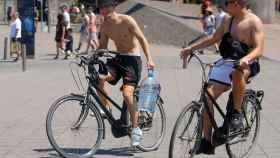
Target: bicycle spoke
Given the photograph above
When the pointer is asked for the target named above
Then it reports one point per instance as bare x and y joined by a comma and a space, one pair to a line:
70, 131
185, 133
242, 145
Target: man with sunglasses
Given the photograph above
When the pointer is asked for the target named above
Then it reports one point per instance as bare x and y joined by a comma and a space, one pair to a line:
126, 35
242, 39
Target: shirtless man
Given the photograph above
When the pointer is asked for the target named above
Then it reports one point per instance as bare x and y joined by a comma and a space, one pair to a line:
126, 34
246, 30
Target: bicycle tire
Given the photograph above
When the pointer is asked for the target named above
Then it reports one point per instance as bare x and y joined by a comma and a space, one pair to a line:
74, 151
154, 145
192, 108
247, 149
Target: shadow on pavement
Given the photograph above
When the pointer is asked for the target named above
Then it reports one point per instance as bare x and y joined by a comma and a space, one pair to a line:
135, 8
124, 151
51, 153
7, 61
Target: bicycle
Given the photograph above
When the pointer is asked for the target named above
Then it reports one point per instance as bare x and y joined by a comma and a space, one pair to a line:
85, 116
187, 132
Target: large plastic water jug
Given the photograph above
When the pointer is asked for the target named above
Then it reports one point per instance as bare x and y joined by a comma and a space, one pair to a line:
148, 93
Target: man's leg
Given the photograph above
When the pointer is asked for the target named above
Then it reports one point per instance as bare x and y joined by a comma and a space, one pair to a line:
136, 132
57, 50
94, 41
215, 90
18, 50
94, 45
79, 47
128, 91
101, 85
239, 78
88, 45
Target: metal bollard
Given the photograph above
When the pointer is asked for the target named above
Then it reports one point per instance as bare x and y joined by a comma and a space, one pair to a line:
184, 59
5, 48
23, 53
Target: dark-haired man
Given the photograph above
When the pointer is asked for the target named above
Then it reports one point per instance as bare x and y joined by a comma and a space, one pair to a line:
242, 39
126, 34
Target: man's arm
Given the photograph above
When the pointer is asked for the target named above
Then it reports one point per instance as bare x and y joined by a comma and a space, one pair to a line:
103, 39
212, 39
134, 28
258, 41
18, 28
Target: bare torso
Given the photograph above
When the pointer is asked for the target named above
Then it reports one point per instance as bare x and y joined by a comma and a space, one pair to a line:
242, 30
118, 30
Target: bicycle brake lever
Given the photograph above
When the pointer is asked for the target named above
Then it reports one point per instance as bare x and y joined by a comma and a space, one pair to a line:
191, 56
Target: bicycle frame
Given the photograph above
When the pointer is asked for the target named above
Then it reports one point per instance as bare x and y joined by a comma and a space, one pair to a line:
205, 93
93, 87
120, 127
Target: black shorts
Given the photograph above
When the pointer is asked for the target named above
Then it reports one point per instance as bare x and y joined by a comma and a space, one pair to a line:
254, 69
126, 67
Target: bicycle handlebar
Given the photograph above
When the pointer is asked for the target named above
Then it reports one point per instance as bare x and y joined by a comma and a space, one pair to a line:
194, 54
204, 65
97, 54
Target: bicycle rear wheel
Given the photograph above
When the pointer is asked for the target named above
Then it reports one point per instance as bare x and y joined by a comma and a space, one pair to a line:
243, 144
153, 126
72, 132
187, 132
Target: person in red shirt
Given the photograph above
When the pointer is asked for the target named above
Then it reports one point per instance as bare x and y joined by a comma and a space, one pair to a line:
92, 29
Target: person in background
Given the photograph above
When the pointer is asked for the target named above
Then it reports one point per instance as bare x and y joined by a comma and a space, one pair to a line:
92, 29
66, 17
99, 21
219, 17
9, 14
84, 34
69, 44
60, 34
15, 35
36, 17
208, 25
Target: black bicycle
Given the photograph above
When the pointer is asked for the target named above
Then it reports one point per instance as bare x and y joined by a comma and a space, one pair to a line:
187, 133
75, 127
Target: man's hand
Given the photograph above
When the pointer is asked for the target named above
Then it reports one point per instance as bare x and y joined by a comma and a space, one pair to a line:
244, 62
185, 52
150, 64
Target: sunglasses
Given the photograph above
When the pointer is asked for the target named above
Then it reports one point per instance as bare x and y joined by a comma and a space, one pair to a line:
229, 2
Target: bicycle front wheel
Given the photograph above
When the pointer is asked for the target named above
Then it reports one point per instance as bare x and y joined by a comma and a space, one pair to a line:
243, 144
153, 126
74, 129
186, 133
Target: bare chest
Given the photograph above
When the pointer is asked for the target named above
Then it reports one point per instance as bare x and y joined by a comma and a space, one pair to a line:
118, 32
242, 31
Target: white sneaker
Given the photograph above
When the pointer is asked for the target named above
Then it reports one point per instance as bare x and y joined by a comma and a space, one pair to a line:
136, 135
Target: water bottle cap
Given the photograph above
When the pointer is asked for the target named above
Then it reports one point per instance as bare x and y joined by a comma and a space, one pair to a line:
150, 73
